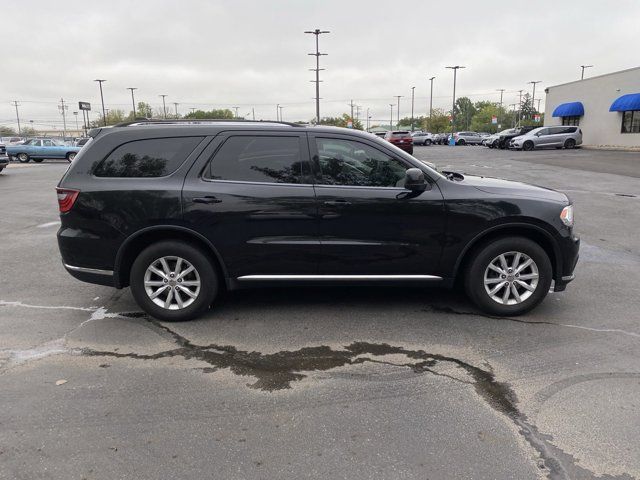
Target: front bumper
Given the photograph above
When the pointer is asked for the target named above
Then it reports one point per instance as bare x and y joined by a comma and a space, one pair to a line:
570, 248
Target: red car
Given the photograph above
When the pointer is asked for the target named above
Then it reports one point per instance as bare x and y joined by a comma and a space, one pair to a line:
401, 139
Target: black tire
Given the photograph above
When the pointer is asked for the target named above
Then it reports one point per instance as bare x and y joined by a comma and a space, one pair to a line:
197, 258
38, 160
23, 158
461, 142
569, 143
474, 276
427, 142
70, 156
410, 151
528, 146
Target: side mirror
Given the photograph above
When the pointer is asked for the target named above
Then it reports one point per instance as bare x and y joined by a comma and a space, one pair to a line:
414, 180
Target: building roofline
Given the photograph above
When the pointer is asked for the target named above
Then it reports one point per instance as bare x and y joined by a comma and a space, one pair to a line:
593, 78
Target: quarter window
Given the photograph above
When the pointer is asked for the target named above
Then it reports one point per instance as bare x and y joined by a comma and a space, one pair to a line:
266, 159
345, 162
147, 158
631, 121
575, 120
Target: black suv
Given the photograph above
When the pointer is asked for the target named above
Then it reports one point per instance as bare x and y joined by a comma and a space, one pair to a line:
179, 211
503, 140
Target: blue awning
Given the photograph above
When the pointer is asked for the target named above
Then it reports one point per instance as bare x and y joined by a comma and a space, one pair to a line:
571, 109
626, 103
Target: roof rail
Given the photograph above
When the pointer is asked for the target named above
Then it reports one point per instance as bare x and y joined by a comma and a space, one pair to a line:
190, 121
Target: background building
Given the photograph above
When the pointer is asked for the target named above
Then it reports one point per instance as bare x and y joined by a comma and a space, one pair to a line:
606, 107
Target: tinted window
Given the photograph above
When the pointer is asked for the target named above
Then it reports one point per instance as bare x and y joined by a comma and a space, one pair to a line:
269, 159
631, 121
346, 162
147, 158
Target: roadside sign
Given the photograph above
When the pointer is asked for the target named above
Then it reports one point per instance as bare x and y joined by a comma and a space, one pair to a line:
84, 105
536, 118
350, 124
494, 120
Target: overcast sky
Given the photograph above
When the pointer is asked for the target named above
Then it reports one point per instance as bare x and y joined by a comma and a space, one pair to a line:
217, 54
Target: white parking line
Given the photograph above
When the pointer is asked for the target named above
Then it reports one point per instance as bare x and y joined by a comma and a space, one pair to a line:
48, 224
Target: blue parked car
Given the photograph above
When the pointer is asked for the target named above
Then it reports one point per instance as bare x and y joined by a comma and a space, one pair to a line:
37, 149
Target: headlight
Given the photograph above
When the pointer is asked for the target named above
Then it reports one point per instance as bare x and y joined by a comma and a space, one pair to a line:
567, 215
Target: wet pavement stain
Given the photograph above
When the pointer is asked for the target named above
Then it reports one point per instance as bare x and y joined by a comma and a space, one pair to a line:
277, 371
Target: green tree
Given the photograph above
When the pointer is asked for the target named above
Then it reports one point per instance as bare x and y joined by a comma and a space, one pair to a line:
405, 123
28, 132
211, 114
481, 121
7, 131
113, 117
143, 110
341, 121
464, 111
438, 123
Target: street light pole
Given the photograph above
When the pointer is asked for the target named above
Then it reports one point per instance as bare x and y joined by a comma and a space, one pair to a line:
317, 32
520, 107
281, 116
368, 118
533, 96
431, 99
413, 91
583, 68
501, 90
399, 97
453, 108
63, 108
278, 112
104, 115
236, 109
133, 100
164, 105
77, 127
15, 103
391, 117
175, 104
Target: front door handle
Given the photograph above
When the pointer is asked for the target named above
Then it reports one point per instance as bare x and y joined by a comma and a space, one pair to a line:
207, 199
337, 203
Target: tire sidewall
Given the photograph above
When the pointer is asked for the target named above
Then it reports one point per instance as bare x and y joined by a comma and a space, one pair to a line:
197, 258
474, 279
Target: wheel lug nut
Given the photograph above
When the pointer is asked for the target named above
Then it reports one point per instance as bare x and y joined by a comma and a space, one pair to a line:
504, 276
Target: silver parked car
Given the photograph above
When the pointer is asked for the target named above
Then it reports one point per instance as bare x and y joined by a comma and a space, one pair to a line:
468, 138
544, 137
422, 138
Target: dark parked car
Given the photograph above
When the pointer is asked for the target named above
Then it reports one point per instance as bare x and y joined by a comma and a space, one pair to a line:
181, 211
401, 139
4, 160
505, 138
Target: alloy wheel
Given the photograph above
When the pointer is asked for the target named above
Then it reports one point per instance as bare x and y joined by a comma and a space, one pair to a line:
511, 278
172, 283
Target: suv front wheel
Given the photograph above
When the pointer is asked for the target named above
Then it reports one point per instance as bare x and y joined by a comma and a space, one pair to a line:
508, 276
173, 281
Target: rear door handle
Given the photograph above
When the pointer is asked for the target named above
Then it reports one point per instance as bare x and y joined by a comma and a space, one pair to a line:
337, 203
208, 199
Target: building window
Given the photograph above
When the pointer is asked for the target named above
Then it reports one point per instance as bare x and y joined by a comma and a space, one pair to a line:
631, 121
575, 120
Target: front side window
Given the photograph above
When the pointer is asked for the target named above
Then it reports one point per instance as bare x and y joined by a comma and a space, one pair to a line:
347, 162
156, 157
265, 159
631, 121
574, 120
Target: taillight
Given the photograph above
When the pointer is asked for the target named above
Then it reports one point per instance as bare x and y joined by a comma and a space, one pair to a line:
66, 198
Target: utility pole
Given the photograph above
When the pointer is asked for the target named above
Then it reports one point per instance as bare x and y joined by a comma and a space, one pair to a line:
520, 107
16, 104
104, 115
63, 108
133, 100
358, 107
398, 97
368, 118
317, 32
164, 105
352, 105
391, 118
253, 113
453, 108
583, 67
281, 116
77, 127
533, 96
413, 92
278, 112
193, 109
501, 90
236, 109
431, 99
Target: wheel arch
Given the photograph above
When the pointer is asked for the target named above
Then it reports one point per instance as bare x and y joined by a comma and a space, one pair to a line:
526, 230
141, 239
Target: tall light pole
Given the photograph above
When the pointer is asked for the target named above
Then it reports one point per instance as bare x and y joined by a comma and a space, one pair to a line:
281, 116
453, 108
398, 97
317, 32
104, 115
514, 105
164, 105
533, 96
77, 127
236, 109
583, 67
391, 117
278, 112
501, 90
431, 99
175, 105
413, 91
16, 104
520, 107
133, 100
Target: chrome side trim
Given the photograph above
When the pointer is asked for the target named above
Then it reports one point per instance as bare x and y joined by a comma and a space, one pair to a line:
337, 277
88, 270
568, 278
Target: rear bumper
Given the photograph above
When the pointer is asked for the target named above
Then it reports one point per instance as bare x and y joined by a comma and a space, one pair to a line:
91, 275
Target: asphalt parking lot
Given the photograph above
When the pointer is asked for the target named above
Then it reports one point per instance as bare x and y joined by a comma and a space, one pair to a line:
328, 383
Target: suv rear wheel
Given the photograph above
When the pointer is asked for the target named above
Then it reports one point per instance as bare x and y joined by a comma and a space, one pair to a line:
509, 276
569, 143
173, 281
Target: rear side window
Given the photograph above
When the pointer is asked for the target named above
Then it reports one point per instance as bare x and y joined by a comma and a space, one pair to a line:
156, 157
265, 159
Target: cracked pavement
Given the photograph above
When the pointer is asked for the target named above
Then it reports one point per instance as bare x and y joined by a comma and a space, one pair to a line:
327, 382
